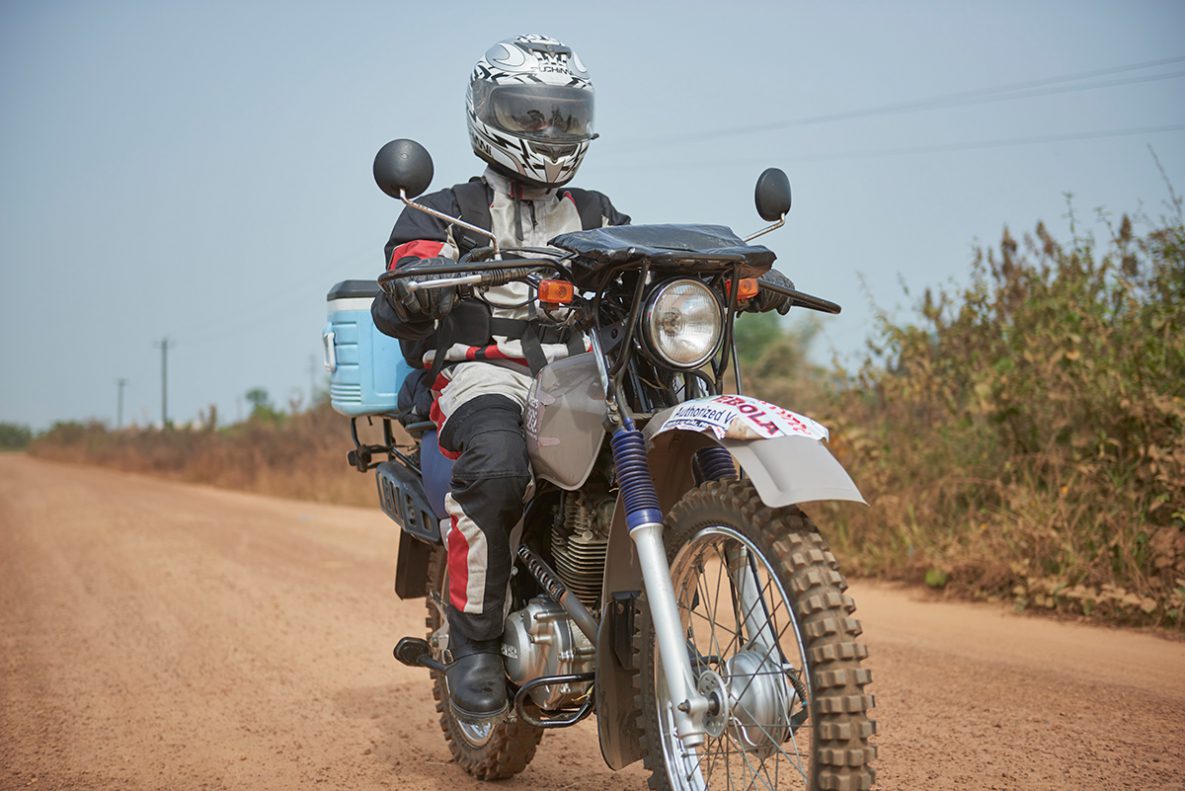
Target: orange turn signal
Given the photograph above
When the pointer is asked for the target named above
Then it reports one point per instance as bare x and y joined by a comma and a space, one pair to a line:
748, 289
558, 292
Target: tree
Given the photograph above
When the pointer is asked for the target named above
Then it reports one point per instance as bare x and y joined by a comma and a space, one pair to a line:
14, 437
261, 406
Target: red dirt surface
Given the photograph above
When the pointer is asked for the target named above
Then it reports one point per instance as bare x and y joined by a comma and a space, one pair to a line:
161, 635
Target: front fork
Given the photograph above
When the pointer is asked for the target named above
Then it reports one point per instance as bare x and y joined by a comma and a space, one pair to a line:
643, 517
691, 707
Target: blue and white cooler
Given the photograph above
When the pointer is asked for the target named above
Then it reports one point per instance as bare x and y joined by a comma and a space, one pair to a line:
366, 368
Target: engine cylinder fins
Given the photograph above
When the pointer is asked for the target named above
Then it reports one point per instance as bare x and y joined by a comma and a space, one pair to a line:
579, 545
581, 564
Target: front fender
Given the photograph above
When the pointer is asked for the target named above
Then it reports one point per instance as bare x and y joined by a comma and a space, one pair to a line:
782, 452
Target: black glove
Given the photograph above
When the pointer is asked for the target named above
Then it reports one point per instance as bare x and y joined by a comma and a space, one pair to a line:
767, 299
423, 303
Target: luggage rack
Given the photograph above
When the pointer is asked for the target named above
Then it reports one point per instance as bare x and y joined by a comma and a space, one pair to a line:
362, 457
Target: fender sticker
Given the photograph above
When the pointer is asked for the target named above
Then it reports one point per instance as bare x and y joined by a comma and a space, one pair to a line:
741, 417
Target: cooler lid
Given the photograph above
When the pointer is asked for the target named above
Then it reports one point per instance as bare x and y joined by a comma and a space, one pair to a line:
354, 288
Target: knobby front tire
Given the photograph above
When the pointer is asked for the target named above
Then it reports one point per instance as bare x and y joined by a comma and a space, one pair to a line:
769, 629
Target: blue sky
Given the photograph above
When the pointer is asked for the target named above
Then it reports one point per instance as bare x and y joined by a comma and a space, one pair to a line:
201, 171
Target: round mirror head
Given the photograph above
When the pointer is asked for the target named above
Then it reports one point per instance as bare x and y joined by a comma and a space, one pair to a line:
403, 165
772, 194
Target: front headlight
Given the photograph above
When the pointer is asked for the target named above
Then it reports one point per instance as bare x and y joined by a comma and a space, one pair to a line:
683, 323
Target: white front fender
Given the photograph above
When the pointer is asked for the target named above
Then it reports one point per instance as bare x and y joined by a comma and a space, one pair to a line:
783, 453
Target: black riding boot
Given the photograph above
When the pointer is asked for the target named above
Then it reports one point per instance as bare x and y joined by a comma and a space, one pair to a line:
477, 677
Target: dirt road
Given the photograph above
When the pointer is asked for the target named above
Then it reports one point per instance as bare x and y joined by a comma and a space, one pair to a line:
156, 635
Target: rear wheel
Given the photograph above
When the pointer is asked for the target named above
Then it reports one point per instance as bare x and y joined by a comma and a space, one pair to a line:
490, 751
771, 639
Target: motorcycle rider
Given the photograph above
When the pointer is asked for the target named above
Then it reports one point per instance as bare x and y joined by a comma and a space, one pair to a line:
530, 114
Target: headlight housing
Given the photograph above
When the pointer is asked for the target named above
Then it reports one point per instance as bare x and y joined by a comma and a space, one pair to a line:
682, 323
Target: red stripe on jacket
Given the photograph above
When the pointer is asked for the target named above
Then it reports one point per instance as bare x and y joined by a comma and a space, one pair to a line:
420, 248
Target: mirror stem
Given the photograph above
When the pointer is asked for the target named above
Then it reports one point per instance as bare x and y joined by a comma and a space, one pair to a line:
450, 220
764, 231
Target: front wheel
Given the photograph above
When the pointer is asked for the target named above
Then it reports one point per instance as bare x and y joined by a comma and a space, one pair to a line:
771, 642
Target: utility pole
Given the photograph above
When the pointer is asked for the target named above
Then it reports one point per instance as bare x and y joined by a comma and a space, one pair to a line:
312, 381
121, 384
163, 344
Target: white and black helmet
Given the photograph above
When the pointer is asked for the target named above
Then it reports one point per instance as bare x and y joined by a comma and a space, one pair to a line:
530, 108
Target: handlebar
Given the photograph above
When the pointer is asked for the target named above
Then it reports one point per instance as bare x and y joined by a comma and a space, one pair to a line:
494, 273
476, 279
803, 299
475, 268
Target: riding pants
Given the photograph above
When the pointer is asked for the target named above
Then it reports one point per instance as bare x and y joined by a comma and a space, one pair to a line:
480, 413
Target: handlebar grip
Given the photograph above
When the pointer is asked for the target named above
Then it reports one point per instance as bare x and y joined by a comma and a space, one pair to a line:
483, 279
803, 299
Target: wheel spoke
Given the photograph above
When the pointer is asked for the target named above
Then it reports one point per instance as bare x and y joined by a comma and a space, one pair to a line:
751, 749
756, 776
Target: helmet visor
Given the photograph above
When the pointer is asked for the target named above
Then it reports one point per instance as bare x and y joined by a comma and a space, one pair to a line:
546, 113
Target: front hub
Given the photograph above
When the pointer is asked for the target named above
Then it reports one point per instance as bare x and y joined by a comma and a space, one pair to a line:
712, 687
759, 702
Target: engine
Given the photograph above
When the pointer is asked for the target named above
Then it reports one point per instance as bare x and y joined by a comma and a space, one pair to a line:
540, 640
579, 541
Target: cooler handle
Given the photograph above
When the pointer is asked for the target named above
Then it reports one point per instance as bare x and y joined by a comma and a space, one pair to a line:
329, 352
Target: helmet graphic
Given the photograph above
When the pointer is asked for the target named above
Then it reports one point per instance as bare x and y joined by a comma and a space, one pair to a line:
530, 109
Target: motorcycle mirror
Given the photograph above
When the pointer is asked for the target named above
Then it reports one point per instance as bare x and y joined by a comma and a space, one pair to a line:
772, 195
403, 168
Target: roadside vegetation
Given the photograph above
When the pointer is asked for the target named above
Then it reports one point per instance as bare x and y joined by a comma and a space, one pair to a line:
300, 453
1019, 438
14, 437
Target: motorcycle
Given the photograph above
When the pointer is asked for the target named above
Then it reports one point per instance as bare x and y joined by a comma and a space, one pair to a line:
667, 579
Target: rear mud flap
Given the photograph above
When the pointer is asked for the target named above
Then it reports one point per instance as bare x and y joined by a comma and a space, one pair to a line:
411, 568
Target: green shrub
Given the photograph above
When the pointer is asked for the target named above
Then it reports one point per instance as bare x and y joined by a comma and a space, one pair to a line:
14, 437
1026, 434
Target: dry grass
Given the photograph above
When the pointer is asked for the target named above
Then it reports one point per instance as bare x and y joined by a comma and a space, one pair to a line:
301, 456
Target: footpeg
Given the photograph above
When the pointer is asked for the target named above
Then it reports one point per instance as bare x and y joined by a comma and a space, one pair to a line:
415, 652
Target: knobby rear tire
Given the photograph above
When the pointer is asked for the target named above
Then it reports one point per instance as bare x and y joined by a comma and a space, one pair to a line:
837, 713
510, 745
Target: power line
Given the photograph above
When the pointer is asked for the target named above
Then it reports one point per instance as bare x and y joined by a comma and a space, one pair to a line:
227, 323
911, 150
1000, 143
1022, 90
